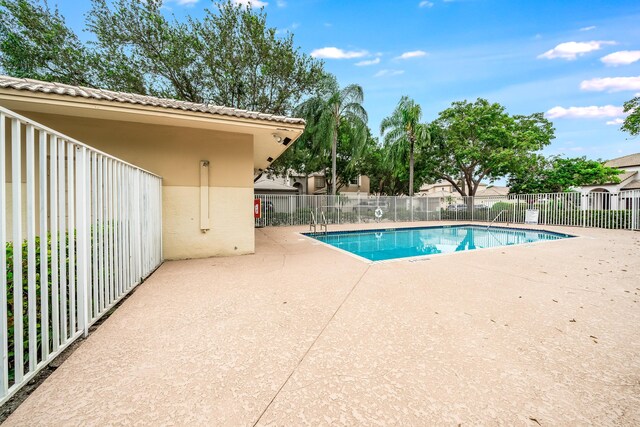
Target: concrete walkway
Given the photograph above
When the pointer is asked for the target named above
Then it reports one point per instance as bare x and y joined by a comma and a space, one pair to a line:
301, 334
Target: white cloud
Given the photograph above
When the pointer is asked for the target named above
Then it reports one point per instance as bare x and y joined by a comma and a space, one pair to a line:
388, 73
611, 84
252, 3
281, 3
185, 2
425, 3
337, 53
412, 54
616, 121
368, 62
584, 112
288, 29
571, 50
623, 57
589, 28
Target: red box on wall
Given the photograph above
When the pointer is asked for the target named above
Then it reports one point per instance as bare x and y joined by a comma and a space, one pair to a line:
257, 205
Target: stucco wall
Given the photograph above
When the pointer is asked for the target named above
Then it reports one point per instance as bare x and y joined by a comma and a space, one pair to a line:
362, 187
175, 154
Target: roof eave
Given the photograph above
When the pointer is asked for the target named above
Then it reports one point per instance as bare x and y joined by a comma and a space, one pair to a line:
97, 108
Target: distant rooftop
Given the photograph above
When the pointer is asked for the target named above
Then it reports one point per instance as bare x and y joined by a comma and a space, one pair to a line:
267, 184
624, 161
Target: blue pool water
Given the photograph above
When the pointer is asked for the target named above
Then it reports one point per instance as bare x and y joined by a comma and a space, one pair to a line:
385, 244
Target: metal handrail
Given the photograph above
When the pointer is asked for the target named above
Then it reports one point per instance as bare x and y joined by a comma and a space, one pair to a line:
313, 223
324, 223
496, 218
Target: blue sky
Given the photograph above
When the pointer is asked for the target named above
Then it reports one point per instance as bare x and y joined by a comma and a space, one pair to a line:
577, 61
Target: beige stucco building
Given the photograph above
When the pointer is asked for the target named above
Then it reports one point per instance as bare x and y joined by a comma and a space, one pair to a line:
317, 184
207, 156
294, 183
443, 188
616, 195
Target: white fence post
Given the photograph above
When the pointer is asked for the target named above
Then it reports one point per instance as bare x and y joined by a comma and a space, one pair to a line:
4, 330
16, 189
82, 233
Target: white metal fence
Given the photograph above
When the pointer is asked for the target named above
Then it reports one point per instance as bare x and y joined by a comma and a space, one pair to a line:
79, 229
595, 209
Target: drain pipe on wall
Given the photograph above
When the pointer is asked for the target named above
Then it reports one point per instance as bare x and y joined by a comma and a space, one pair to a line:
204, 195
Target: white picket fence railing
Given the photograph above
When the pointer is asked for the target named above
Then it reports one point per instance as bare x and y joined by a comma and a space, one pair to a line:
98, 221
595, 209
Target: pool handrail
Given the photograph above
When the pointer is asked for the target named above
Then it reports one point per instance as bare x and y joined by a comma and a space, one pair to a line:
496, 218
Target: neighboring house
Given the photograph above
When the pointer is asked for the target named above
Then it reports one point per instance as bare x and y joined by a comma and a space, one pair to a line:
206, 155
317, 184
444, 189
492, 191
607, 195
274, 185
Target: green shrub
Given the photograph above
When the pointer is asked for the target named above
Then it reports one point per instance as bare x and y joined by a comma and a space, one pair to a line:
11, 257
502, 206
607, 219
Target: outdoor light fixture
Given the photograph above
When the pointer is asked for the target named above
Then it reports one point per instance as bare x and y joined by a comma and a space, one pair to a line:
269, 159
280, 140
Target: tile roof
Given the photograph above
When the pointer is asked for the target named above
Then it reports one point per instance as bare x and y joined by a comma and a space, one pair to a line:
633, 185
624, 161
267, 184
7, 82
622, 177
495, 190
625, 176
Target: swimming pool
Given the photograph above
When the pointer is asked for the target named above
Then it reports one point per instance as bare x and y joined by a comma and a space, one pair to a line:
386, 244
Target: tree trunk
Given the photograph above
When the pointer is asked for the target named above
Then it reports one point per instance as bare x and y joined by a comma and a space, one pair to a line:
334, 175
411, 169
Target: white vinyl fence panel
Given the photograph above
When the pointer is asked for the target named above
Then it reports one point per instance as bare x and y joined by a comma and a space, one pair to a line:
79, 229
601, 210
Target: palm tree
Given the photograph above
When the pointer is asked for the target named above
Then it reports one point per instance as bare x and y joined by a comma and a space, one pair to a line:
325, 113
401, 131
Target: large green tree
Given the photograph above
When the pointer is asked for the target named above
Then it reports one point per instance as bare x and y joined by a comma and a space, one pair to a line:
354, 157
558, 174
632, 121
401, 131
136, 35
386, 177
229, 57
327, 113
36, 43
249, 66
475, 141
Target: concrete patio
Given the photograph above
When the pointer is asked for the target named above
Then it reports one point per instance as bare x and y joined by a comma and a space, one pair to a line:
301, 334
